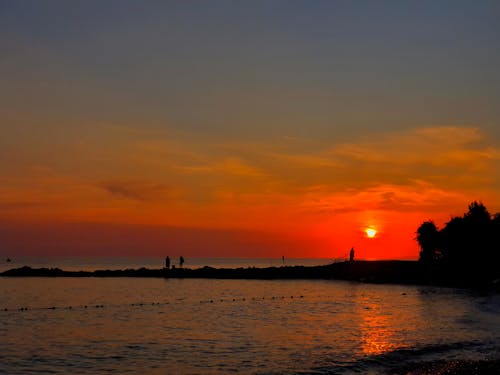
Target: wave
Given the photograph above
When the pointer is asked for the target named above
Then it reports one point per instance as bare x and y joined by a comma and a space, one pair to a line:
409, 359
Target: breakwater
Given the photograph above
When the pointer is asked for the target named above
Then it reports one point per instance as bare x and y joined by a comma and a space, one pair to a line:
380, 272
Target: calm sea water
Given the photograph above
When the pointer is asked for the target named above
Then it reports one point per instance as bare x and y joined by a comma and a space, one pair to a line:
194, 326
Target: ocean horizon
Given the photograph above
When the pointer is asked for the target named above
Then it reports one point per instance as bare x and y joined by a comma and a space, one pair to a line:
92, 263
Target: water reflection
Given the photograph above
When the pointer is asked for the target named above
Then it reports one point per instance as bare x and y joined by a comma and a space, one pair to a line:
246, 329
377, 335
385, 320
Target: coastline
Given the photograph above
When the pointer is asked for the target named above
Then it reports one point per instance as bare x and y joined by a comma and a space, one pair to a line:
455, 367
378, 272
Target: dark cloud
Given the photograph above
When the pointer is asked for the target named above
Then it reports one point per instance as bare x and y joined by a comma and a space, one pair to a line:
134, 190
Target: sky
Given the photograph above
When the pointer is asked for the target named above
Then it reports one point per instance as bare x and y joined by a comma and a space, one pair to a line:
244, 128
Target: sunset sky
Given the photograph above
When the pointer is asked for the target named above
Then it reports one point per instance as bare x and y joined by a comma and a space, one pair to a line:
244, 128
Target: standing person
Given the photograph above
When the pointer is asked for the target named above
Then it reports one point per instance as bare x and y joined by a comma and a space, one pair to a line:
351, 255
167, 262
181, 261
283, 259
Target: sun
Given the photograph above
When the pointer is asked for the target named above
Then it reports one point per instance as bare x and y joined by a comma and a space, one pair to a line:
370, 232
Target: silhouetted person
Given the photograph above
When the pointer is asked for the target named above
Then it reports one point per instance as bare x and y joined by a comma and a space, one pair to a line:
181, 261
351, 255
283, 259
167, 262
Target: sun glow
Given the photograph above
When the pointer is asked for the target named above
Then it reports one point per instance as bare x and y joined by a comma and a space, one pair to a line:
370, 232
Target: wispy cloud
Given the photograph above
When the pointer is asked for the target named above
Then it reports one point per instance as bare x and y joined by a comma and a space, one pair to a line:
429, 169
448, 158
433, 146
226, 166
136, 190
418, 196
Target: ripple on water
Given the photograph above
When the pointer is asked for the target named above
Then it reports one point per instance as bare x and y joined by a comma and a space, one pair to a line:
336, 327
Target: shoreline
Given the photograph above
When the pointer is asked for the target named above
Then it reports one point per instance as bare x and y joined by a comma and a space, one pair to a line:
377, 272
456, 367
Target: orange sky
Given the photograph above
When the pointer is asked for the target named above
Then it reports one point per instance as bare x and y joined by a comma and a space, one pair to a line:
275, 195
246, 129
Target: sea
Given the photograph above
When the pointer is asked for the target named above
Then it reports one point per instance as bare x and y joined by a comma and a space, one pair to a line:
209, 326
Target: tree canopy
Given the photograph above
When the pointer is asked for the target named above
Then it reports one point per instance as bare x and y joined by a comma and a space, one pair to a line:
468, 244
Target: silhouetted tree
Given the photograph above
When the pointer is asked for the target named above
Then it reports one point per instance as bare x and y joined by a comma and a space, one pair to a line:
478, 213
452, 240
427, 238
467, 248
495, 240
466, 240
478, 232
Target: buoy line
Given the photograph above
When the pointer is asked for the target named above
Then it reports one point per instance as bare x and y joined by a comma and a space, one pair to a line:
144, 304
252, 299
84, 307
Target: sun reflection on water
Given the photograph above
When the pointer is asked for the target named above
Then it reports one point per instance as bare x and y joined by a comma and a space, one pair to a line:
376, 334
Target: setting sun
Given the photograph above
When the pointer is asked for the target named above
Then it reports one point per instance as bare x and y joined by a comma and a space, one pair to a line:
370, 232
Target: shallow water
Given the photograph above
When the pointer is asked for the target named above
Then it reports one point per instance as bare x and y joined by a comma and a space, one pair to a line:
197, 326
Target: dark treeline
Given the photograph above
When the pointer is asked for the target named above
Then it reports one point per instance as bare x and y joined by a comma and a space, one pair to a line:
466, 249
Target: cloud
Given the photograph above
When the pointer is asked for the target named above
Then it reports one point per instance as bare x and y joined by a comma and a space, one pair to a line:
424, 168
445, 145
415, 197
401, 170
448, 155
135, 190
226, 166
